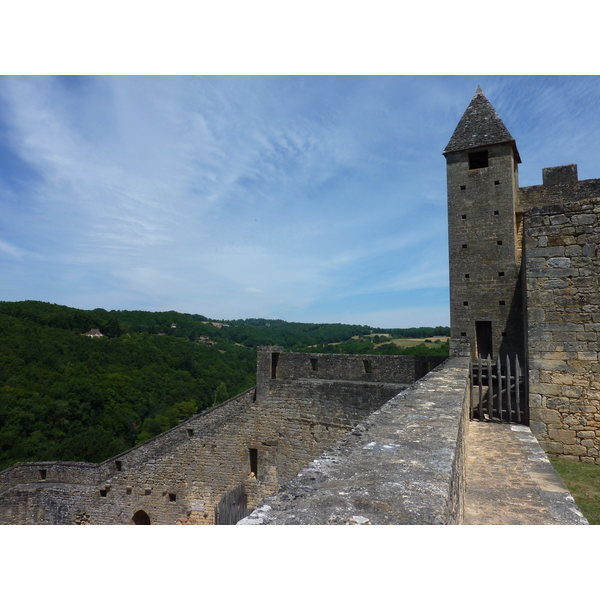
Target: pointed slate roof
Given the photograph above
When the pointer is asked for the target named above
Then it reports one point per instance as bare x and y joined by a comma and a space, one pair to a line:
479, 126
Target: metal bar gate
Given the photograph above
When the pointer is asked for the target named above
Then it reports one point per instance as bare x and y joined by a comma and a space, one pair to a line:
498, 394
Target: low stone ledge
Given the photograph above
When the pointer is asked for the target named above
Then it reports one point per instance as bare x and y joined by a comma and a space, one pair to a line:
551, 487
402, 465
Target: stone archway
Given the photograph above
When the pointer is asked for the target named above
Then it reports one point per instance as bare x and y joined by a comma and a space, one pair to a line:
141, 518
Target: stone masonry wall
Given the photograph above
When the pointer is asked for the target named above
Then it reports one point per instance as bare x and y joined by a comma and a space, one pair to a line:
275, 364
563, 316
560, 184
261, 438
405, 464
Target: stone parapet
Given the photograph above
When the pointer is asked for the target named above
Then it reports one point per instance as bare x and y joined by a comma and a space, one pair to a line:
402, 465
560, 185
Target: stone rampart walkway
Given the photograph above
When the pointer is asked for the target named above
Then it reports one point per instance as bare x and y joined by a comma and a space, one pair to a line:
511, 482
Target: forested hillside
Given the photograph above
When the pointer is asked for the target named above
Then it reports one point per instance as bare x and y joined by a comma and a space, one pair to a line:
65, 396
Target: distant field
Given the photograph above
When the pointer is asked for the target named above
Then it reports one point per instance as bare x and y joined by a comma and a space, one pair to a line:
402, 342
407, 343
432, 342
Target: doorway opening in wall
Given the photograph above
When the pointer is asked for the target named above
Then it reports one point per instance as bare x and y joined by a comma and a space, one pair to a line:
274, 361
483, 331
141, 518
253, 452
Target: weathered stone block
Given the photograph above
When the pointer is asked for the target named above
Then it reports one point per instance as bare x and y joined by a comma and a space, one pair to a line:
571, 420
558, 219
587, 336
539, 332
545, 389
545, 415
536, 263
552, 272
553, 284
550, 365
562, 378
581, 407
551, 447
545, 252
565, 436
576, 450
565, 327
572, 391
559, 355
560, 404
583, 219
536, 315
539, 429
559, 262
535, 400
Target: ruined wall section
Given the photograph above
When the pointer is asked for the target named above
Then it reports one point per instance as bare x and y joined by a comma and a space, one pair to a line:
563, 302
95, 473
112, 491
261, 438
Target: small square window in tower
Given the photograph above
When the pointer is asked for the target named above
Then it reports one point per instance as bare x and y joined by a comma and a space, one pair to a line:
483, 332
314, 363
478, 160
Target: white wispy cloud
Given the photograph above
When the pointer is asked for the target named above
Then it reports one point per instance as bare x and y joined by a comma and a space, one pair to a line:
11, 250
286, 197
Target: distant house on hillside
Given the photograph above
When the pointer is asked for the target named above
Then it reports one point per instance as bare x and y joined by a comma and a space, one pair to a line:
94, 333
173, 325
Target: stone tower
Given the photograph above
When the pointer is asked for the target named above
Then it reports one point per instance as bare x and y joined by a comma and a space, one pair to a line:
486, 298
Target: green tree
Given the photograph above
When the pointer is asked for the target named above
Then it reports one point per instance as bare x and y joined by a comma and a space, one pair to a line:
221, 393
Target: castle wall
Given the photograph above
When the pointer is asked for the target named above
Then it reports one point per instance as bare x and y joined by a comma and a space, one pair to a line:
275, 364
260, 438
563, 316
405, 464
560, 184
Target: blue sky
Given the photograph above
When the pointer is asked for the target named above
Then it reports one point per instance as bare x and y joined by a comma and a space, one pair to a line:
304, 198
